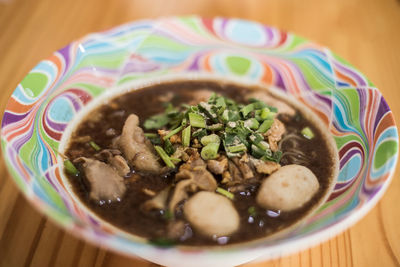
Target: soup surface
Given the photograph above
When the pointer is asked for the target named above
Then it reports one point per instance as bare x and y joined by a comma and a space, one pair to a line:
97, 140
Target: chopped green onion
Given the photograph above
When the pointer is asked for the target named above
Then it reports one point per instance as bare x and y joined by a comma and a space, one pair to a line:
237, 148
276, 156
252, 211
307, 133
215, 127
225, 193
210, 151
95, 146
264, 113
156, 121
257, 152
154, 138
265, 126
186, 136
197, 120
184, 122
171, 133
175, 160
247, 109
256, 138
164, 156
168, 147
70, 168
168, 214
162, 242
220, 102
200, 133
262, 145
212, 138
151, 135
251, 123
206, 108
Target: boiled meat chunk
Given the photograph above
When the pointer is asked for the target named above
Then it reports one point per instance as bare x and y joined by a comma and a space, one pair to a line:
211, 214
104, 182
288, 188
136, 148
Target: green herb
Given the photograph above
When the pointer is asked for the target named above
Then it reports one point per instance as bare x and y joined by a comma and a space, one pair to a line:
265, 126
154, 138
210, 151
171, 133
175, 160
215, 127
252, 211
186, 136
307, 133
264, 113
164, 156
70, 168
163, 242
156, 121
168, 147
225, 193
151, 135
252, 124
200, 133
272, 156
168, 214
212, 138
94, 146
237, 148
196, 120
247, 109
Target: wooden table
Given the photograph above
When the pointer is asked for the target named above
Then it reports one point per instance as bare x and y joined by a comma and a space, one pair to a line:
365, 32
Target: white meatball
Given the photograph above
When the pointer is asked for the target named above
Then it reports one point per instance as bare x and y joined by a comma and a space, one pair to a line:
288, 188
211, 214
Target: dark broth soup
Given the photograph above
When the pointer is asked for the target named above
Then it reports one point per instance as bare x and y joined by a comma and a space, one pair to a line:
102, 125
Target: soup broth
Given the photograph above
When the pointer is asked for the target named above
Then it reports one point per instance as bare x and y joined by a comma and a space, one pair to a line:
100, 129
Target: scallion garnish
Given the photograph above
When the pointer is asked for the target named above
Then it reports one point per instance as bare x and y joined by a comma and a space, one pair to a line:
239, 127
212, 138
225, 193
237, 148
247, 109
307, 133
70, 168
164, 156
94, 146
171, 133
186, 136
196, 120
210, 151
265, 126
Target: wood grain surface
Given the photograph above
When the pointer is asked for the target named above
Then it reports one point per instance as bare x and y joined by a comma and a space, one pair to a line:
365, 32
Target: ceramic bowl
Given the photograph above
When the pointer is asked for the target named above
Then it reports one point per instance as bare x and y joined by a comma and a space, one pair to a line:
59, 87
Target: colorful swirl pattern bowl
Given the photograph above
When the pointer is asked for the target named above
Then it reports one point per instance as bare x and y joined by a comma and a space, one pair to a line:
54, 92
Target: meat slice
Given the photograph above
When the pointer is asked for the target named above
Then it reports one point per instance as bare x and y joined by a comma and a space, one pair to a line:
113, 157
136, 148
192, 176
212, 214
218, 166
158, 202
243, 165
104, 182
275, 133
268, 99
264, 167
